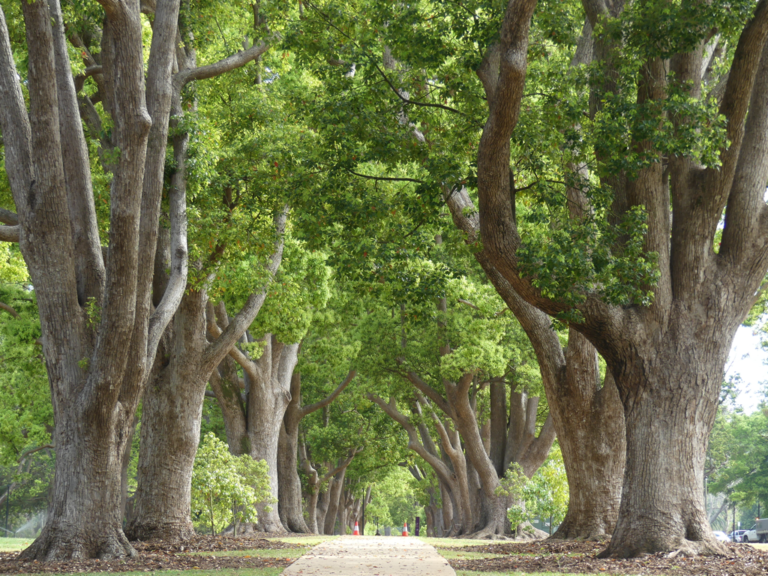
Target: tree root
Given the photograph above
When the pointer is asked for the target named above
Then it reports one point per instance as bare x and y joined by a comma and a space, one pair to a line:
56, 545
677, 547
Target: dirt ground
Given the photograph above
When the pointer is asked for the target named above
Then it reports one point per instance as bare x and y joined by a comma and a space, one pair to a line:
160, 556
579, 557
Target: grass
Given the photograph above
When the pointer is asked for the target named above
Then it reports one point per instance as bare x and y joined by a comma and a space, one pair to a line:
222, 572
304, 540
462, 555
258, 553
763, 547
453, 542
14, 544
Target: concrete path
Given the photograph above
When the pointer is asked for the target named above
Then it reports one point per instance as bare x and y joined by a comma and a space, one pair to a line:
371, 556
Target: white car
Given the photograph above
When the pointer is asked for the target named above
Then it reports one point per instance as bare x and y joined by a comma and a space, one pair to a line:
750, 535
722, 536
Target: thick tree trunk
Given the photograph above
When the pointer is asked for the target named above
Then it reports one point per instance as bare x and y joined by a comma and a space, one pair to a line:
289, 492
170, 432
268, 399
591, 425
334, 500
85, 519
323, 502
670, 400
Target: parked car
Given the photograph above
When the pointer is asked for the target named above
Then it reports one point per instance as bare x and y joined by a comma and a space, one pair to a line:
736, 535
750, 535
722, 536
758, 532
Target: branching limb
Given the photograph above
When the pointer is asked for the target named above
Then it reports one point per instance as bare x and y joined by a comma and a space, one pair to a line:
8, 217
9, 309
222, 66
239, 324
10, 233
746, 203
429, 392
331, 397
738, 89
14, 122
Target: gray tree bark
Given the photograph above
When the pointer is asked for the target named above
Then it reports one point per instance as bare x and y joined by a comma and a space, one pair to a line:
289, 493
95, 389
667, 358
173, 405
588, 418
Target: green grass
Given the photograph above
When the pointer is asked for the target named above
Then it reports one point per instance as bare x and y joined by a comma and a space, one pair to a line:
454, 542
258, 553
304, 540
14, 544
223, 572
462, 555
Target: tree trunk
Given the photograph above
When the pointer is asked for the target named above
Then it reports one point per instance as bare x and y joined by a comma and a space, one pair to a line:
334, 500
447, 510
268, 399
591, 422
670, 400
289, 493
85, 519
170, 432
323, 502
290, 506
588, 419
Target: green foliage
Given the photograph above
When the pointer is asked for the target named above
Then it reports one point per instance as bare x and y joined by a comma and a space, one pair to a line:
737, 456
394, 500
26, 413
513, 487
226, 487
546, 495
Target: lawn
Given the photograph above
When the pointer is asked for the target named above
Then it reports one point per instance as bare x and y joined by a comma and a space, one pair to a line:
452, 542
224, 572
14, 544
260, 553
304, 540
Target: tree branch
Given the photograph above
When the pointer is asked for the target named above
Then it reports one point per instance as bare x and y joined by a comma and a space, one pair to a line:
225, 65
738, 89
10, 233
14, 124
746, 202
384, 179
429, 392
9, 309
331, 397
8, 217
413, 102
239, 324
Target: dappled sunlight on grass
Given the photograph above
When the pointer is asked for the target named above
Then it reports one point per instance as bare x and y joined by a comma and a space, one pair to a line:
14, 544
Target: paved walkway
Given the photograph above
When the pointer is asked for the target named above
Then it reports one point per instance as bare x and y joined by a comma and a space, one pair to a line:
371, 556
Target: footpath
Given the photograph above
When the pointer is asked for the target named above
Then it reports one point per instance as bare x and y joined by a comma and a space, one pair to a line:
371, 556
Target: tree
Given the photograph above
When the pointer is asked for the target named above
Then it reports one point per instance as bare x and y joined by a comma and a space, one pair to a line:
226, 487
666, 352
96, 363
408, 120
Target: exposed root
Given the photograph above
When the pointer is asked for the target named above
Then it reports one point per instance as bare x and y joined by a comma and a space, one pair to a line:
55, 545
677, 547
173, 532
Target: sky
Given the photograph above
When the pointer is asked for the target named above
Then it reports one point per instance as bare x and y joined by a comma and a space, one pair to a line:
751, 362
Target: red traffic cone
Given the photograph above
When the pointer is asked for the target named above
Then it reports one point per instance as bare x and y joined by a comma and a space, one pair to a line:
357, 530
405, 528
